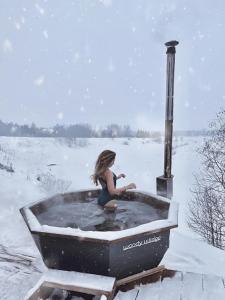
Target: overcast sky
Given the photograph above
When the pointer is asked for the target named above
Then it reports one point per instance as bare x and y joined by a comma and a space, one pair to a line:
104, 61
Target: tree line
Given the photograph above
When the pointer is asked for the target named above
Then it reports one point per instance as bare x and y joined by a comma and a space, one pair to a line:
84, 130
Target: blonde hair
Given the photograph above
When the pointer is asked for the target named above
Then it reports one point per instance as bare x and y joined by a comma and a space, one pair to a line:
104, 159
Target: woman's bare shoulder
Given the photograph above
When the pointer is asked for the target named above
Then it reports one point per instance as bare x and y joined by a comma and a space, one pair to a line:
108, 173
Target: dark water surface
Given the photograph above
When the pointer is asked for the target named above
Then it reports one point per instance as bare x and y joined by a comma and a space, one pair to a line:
89, 215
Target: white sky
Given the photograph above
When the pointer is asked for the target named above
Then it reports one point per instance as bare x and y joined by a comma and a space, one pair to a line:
102, 62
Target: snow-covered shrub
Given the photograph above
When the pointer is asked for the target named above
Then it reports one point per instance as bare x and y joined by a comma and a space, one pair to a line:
207, 208
158, 140
73, 142
82, 142
6, 159
125, 143
52, 185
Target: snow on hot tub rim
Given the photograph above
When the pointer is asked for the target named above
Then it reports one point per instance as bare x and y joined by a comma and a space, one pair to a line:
105, 236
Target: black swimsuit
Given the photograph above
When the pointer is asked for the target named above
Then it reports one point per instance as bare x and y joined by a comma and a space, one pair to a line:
105, 196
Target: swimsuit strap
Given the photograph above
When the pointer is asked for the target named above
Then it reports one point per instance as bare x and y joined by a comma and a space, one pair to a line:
101, 179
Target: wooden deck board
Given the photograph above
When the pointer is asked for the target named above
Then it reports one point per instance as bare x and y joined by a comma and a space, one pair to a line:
130, 295
182, 286
192, 286
211, 282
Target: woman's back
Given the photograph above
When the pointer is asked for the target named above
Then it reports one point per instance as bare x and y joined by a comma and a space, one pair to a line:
105, 196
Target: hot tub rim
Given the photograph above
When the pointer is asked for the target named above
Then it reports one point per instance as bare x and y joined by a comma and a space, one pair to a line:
166, 224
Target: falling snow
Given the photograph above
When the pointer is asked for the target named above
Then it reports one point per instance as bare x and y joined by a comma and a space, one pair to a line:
7, 46
39, 9
60, 115
45, 33
39, 81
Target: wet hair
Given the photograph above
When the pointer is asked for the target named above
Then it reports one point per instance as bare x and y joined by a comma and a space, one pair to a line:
104, 160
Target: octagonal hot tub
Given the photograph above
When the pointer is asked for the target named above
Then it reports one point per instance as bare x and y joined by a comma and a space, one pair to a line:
73, 233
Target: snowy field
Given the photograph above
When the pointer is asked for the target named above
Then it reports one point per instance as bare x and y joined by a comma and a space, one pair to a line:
70, 168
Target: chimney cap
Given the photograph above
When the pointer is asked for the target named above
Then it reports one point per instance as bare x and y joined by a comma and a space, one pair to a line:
171, 43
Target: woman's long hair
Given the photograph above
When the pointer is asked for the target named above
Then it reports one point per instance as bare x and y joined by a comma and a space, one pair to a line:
104, 160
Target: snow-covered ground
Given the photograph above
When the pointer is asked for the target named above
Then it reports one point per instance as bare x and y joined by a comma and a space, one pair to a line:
140, 159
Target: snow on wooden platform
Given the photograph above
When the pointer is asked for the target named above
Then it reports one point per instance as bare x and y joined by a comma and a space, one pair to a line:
185, 286
18, 272
75, 281
82, 280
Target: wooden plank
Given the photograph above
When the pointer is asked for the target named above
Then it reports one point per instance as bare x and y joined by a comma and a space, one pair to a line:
171, 288
80, 282
168, 273
130, 295
192, 286
150, 291
139, 276
212, 283
223, 281
35, 292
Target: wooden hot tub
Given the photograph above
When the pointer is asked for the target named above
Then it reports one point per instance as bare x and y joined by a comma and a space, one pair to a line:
73, 233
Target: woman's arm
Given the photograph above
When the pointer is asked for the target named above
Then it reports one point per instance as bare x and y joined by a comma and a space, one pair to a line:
110, 184
120, 176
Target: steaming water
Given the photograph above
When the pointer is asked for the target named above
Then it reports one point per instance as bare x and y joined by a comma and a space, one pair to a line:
90, 216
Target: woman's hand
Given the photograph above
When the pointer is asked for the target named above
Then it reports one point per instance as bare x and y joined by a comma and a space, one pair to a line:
131, 186
121, 175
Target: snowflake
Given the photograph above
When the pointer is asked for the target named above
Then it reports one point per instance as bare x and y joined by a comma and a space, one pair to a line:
13, 129
60, 115
39, 81
130, 62
22, 20
106, 3
76, 57
39, 8
45, 33
191, 70
17, 25
7, 46
133, 29
111, 66
186, 104
202, 59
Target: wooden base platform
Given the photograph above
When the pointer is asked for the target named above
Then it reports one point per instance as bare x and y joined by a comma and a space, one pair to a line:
81, 283
87, 285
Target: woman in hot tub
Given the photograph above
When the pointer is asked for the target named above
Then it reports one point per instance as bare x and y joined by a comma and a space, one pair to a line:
108, 179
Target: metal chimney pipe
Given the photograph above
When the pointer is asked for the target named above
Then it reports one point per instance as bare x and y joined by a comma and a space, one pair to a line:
171, 50
164, 184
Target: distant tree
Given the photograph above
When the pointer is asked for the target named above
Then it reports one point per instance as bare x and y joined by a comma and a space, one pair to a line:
59, 130
207, 207
127, 132
143, 134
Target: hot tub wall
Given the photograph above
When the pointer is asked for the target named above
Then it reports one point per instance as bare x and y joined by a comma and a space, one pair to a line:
118, 258
73, 254
136, 254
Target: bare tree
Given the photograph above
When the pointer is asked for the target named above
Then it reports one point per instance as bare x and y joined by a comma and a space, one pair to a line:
207, 207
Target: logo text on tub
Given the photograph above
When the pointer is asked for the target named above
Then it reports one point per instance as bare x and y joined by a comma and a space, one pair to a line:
142, 243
